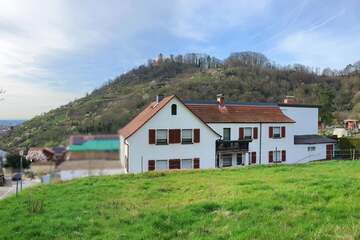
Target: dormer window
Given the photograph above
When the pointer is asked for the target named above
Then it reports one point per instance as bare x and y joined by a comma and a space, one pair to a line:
173, 109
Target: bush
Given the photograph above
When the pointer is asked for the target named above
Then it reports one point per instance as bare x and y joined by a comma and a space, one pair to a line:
13, 161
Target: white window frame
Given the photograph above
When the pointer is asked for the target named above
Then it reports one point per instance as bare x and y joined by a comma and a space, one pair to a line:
273, 135
276, 159
162, 160
229, 134
187, 141
187, 159
222, 160
311, 148
156, 137
249, 129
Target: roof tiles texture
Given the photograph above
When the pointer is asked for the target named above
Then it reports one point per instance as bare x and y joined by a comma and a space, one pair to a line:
212, 113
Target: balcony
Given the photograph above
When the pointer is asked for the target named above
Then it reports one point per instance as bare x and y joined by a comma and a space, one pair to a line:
233, 146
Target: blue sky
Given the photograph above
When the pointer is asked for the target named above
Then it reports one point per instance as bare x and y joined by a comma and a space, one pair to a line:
52, 52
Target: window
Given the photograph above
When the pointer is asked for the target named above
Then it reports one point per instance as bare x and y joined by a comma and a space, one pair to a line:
240, 159
173, 109
311, 149
186, 164
161, 136
277, 156
276, 132
227, 160
226, 134
161, 165
248, 133
186, 136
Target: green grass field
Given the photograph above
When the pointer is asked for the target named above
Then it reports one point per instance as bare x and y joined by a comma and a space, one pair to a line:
311, 201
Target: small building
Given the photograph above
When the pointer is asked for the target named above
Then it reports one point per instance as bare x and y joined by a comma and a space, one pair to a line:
40, 155
93, 147
351, 124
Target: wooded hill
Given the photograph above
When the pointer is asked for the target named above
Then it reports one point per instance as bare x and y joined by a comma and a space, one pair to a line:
241, 77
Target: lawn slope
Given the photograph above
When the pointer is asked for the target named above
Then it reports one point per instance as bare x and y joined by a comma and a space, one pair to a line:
312, 201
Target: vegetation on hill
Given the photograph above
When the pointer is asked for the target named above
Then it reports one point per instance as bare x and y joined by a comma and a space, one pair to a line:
309, 201
242, 77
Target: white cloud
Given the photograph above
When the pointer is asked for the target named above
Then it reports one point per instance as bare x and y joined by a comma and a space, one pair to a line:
35, 34
321, 49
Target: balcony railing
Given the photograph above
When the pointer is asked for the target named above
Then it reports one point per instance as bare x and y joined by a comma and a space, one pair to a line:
233, 145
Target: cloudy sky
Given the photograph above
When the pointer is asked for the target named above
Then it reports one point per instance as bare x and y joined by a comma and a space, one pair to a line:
54, 51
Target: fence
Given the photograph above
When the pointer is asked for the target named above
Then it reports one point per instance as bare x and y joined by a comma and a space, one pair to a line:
346, 154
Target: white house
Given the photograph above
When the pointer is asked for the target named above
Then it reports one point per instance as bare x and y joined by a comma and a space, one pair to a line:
172, 134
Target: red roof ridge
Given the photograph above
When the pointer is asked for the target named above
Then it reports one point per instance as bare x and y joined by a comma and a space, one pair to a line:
144, 116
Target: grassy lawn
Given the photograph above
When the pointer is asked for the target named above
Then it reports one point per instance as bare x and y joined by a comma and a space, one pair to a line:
311, 201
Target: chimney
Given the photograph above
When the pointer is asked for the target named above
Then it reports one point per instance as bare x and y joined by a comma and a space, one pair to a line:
220, 99
289, 100
159, 98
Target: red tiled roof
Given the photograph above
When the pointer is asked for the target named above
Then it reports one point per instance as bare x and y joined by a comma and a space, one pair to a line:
143, 117
211, 113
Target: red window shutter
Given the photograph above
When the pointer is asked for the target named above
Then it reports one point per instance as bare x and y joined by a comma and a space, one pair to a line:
255, 133
196, 135
171, 136
151, 136
177, 137
283, 132
196, 162
253, 157
271, 156
241, 133
270, 132
283, 155
151, 165
174, 164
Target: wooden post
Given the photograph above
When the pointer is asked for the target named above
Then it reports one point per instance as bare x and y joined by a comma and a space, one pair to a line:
353, 154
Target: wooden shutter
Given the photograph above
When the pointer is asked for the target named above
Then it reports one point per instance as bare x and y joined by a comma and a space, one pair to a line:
151, 165
151, 136
253, 158
270, 132
196, 135
196, 162
283, 155
174, 164
171, 136
283, 132
241, 133
271, 156
255, 133
177, 137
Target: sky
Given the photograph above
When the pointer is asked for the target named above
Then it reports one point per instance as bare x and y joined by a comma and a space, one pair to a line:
52, 52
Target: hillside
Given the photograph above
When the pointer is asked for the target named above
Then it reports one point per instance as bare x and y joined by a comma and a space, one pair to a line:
310, 201
108, 108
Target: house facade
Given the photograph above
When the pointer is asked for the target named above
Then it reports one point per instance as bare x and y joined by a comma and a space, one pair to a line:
172, 134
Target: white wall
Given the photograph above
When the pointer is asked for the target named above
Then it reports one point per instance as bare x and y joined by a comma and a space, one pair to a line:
306, 119
140, 151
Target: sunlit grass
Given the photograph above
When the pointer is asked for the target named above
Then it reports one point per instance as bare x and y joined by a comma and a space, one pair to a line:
311, 201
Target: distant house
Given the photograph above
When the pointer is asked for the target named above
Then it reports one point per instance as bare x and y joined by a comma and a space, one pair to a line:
93, 147
351, 124
40, 155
